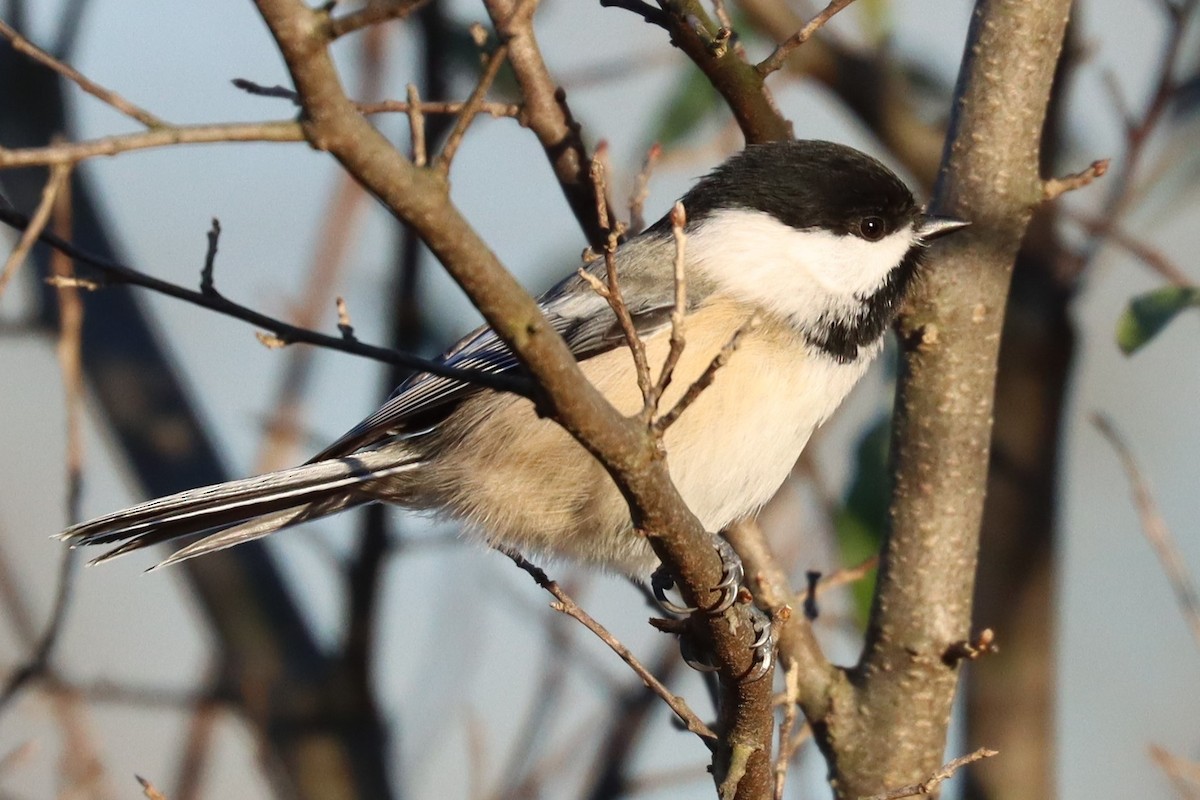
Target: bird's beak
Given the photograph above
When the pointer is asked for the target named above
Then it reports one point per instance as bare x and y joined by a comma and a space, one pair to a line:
932, 227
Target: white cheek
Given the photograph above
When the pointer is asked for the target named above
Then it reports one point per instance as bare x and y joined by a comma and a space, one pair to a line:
801, 274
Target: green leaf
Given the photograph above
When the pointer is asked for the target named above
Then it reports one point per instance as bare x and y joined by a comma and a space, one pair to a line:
1149, 313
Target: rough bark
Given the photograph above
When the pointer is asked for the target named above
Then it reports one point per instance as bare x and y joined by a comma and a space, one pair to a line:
886, 725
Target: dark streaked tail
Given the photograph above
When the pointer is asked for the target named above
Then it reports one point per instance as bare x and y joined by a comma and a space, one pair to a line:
242, 510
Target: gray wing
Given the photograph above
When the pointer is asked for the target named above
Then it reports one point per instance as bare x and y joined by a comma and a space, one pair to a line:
581, 317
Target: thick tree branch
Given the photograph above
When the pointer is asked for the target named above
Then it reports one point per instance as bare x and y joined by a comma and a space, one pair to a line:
739, 83
420, 198
950, 340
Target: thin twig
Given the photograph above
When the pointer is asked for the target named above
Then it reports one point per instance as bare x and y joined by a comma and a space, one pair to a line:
411, 106
258, 90
840, 578
1152, 257
23, 45
148, 789
59, 175
1183, 773
612, 288
1155, 529
678, 342
783, 759
1138, 130
569, 607
931, 784
722, 14
343, 315
197, 750
706, 378
416, 127
288, 130
207, 283
283, 332
1056, 187
471, 108
641, 189
70, 312
375, 12
489, 107
776, 60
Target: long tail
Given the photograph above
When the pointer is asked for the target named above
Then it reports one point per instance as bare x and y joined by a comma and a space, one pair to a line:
239, 511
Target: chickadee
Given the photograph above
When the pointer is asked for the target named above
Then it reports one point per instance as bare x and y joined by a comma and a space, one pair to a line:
817, 240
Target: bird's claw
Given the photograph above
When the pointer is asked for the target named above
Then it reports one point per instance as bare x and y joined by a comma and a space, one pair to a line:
763, 645
732, 575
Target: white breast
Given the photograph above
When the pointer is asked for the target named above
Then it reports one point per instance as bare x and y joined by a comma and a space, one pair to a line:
732, 449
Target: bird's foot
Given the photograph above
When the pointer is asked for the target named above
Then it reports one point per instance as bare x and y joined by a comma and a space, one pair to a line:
732, 574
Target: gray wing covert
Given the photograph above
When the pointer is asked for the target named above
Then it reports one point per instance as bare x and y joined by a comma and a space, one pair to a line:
580, 316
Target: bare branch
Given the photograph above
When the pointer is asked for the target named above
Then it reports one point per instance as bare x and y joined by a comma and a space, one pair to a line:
739, 83
1152, 257
569, 607
148, 789
74, 152
59, 175
207, 284
945, 399
197, 749
798, 645
611, 290
343, 324
412, 106
650, 407
698, 386
641, 189
471, 108
971, 649
373, 13
1053, 188
1183, 773
776, 60
70, 314
840, 578
931, 784
282, 332
625, 448
416, 127
258, 90
23, 45
1155, 528
783, 758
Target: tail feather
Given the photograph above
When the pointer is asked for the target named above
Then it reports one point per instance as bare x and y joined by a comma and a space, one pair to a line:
240, 510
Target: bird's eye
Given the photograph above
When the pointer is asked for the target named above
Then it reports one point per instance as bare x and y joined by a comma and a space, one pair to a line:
872, 229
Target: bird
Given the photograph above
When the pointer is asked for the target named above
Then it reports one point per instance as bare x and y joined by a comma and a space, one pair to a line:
804, 248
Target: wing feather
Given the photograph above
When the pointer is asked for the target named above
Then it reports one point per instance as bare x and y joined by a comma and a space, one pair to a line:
575, 311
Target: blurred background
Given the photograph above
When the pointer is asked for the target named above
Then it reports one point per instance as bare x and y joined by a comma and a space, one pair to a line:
384, 654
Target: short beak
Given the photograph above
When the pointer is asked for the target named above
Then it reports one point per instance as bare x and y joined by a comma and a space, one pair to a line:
932, 227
